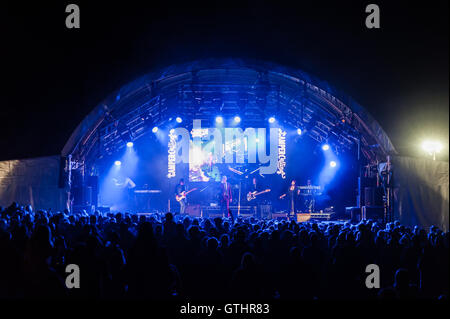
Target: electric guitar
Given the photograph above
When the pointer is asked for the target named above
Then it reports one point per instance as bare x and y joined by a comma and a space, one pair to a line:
182, 196
252, 195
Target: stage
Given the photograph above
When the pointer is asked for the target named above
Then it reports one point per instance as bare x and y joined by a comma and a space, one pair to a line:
274, 133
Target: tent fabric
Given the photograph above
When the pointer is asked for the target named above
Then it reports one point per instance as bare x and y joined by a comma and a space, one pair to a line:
32, 181
421, 192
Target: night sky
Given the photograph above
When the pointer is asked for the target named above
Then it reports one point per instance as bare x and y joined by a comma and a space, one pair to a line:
54, 76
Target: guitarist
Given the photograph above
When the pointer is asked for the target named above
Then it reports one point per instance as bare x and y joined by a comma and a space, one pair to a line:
252, 188
179, 190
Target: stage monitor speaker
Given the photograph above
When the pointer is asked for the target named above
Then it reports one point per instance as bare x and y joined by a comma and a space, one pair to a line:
92, 190
303, 217
372, 212
279, 216
194, 210
354, 213
373, 196
369, 196
265, 211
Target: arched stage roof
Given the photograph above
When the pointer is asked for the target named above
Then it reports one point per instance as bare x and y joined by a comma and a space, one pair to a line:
203, 89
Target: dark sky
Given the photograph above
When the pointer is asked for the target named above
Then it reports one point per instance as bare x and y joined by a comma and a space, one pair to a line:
53, 76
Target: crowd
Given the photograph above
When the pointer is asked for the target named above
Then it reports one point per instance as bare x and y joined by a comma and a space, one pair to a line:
162, 256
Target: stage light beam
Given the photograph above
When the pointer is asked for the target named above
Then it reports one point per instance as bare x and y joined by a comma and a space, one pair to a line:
117, 163
130, 144
219, 119
237, 119
299, 131
333, 164
155, 129
325, 147
179, 119
271, 119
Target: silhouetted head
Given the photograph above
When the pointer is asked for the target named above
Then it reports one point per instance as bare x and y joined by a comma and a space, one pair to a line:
248, 261
212, 243
169, 217
401, 279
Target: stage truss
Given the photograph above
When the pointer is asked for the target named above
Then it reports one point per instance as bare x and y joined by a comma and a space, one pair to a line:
204, 89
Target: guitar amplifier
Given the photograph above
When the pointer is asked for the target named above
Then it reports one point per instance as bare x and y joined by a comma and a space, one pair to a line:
194, 211
265, 211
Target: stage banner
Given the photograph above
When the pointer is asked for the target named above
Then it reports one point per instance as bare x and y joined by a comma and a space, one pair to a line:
421, 192
32, 181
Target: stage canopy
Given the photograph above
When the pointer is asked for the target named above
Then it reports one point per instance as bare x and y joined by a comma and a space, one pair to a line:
206, 88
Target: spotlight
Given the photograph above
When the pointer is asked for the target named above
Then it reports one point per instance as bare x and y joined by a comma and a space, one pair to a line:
130, 144
219, 119
271, 119
155, 129
237, 119
299, 131
179, 119
256, 140
432, 147
325, 147
172, 131
117, 163
333, 164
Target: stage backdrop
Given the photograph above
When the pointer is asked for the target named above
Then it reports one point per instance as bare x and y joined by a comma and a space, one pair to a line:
422, 192
32, 181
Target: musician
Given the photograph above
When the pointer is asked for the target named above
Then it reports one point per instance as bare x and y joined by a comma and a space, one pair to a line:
179, 189
225, 197
129, 185
309, 198
292, 194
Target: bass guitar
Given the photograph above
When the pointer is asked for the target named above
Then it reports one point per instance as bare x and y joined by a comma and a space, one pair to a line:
252, 195
182, 196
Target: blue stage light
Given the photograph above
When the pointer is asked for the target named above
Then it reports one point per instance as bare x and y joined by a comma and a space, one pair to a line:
130, 144
117, 163
325, 147
155, 129
271, 119
179, 119
219, 119
333, 164
299, 131
237, 119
